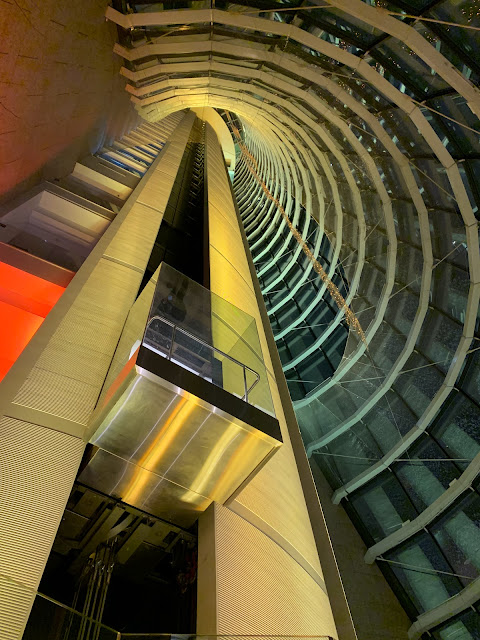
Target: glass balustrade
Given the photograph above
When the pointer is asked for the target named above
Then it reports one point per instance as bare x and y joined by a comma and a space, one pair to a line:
212, 338
52, 620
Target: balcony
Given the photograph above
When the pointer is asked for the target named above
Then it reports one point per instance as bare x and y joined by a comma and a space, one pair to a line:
186, 416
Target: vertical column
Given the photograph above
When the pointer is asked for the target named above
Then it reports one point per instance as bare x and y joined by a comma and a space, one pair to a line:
263, 560
51, 391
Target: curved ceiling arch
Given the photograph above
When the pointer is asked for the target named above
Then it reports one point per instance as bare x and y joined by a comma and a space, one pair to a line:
388, 170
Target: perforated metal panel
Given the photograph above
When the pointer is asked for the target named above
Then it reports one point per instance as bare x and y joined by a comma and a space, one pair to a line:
268, 575
261, 589
37, 470
276, 496
15, 601
68, 376
38, 464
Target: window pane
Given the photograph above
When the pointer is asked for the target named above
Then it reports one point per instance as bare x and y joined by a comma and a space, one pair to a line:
466, 626
382, 505
458, 534
418, 559
426, 480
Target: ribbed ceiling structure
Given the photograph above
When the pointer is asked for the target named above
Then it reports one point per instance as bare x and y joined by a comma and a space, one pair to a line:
363, 120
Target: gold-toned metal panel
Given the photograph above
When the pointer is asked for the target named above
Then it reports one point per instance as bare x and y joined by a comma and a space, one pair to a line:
167, 451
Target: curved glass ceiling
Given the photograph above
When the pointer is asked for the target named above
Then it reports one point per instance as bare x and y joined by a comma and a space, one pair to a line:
363, 119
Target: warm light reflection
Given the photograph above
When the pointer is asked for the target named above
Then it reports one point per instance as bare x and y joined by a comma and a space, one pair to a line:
25, 300
210, 466
244, 455
159, 446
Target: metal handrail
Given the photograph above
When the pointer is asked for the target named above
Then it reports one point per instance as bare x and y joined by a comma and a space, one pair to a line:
39, 597
210, 346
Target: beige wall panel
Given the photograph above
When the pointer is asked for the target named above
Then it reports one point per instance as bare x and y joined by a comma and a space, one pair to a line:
228, 278
229, 271
45, 398
224, 232
134, 241
36, 475
269, 578
157, 191
15, 599
55, 385
261, 589
207, 576
276, 496
132, 331
98, 180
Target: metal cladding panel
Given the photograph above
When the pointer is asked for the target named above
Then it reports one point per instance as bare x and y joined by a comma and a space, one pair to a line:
275, 495
68, 376
71, 352
15, 601
261, 589
168, 451
269, 578
38, 467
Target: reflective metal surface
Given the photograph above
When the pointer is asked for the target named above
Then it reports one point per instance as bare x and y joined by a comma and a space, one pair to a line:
167, 451
164, 338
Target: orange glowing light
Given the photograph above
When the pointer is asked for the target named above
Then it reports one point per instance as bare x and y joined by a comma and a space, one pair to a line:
25, 300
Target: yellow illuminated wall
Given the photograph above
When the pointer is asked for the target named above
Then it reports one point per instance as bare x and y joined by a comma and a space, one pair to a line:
268, 578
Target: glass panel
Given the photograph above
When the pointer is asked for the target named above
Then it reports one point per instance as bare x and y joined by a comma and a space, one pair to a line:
450, 290
314, 369
207, 335
463, 38
448, 235
456, 110
389, 420
418, 383
472, 382
424, 478
439, 338
457, 429
401, 310
458, 534
415, 564
466, 626
51, 620
383, 506
350, 453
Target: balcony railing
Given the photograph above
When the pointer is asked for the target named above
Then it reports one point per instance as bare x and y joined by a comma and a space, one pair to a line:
188, 352
52, 620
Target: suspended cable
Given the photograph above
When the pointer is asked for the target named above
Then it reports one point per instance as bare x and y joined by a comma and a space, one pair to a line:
413, 567
379, 9
251, 163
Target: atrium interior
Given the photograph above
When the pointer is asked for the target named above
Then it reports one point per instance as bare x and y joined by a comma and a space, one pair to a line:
342, 139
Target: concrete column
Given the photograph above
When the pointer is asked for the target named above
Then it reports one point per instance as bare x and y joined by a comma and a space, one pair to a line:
49, 394
262, 561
